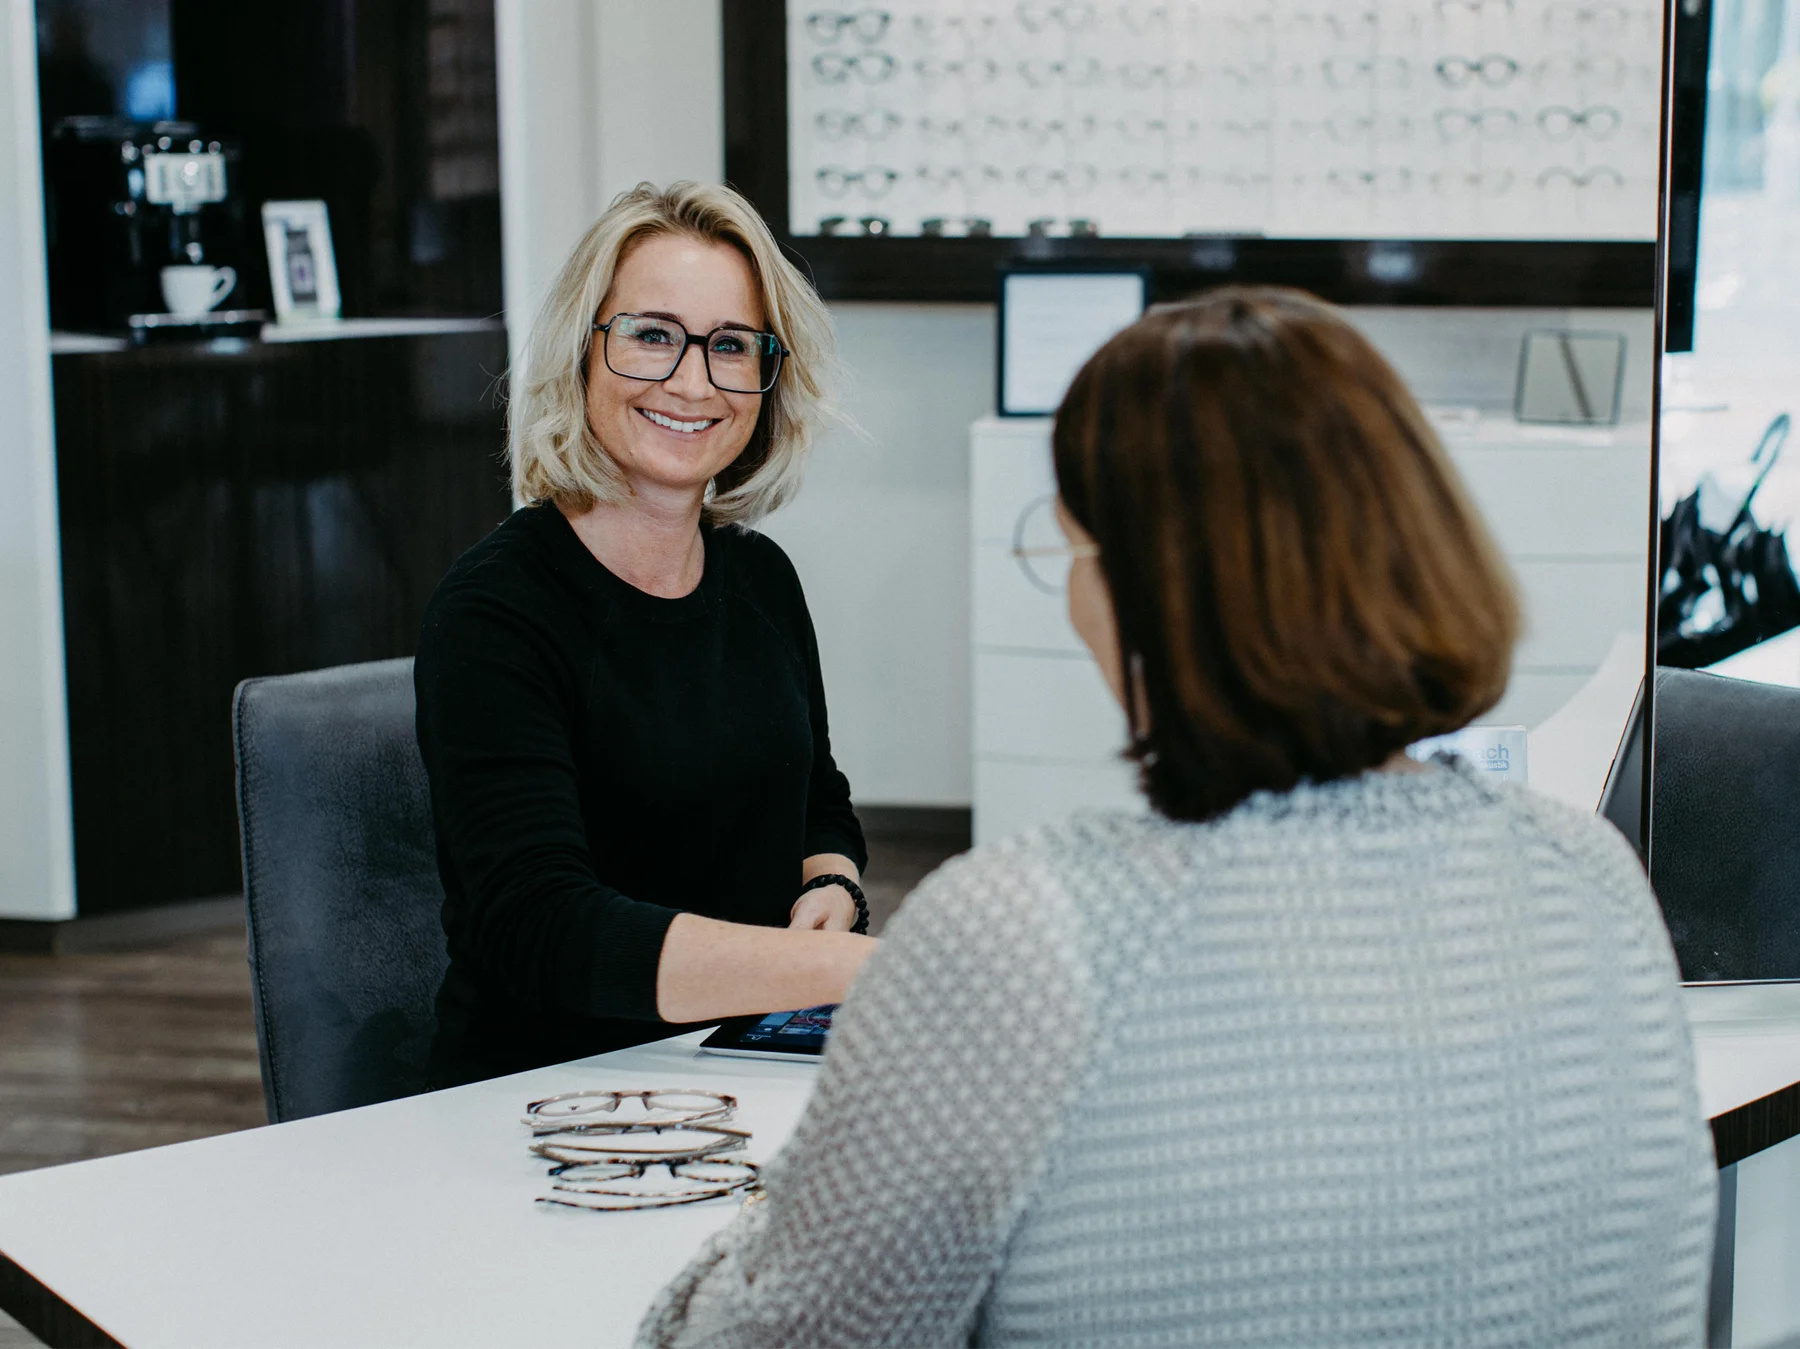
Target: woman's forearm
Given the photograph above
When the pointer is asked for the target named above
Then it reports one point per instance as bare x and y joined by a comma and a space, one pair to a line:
711, 969
829, 864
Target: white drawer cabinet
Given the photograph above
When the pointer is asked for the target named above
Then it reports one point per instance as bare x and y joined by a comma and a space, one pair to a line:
1010, 612
1569, 509
1055, 707
1009, 468
1015, 794
1047, 733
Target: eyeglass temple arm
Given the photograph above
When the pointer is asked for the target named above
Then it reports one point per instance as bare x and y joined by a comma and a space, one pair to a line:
1067, 550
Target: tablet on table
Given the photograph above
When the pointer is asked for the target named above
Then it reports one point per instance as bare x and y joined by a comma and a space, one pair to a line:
779, 1035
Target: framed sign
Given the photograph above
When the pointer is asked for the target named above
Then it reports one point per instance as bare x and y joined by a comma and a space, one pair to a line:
302, 267
1051, 321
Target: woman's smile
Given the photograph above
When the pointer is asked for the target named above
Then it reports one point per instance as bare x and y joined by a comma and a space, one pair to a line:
687, 428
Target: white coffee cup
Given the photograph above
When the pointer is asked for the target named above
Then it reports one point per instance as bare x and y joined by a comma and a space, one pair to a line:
192, 291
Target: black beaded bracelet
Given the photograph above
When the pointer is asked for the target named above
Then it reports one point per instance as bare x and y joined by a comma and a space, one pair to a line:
861, 924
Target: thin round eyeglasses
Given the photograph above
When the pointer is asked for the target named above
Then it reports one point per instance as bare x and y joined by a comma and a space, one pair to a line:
606, 1111
650, 347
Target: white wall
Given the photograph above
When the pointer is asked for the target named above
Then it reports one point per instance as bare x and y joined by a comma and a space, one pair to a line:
575, 79
881, 540
1765, 1284
37, 869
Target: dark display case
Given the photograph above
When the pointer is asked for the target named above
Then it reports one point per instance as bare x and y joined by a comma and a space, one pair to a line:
241, 509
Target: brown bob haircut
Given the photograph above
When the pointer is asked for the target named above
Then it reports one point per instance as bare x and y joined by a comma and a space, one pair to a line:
1301, 585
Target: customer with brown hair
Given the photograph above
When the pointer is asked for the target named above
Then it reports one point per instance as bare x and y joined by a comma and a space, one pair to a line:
1330, 1049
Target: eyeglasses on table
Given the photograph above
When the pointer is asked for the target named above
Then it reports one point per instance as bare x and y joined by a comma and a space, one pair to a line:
611, 1111
621, 1151
669, 1143
615, 1187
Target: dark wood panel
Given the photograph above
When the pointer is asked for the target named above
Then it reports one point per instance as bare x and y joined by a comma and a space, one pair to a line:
44, 1314
1761, 1124
239, 510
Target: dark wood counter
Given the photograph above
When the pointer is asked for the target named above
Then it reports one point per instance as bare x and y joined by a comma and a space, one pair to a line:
238, 509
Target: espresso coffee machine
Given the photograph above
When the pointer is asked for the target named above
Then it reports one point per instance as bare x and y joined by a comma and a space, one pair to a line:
127, 199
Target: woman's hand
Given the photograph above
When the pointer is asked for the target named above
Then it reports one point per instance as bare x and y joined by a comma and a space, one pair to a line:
710, 970
827, 909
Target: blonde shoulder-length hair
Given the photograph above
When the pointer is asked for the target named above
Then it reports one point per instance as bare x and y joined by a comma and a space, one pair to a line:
550, 445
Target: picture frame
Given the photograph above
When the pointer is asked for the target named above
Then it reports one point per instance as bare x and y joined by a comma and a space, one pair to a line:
1051, 319
1570, 378
302, 267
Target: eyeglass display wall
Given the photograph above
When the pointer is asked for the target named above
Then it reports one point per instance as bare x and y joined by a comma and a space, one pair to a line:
1423, 149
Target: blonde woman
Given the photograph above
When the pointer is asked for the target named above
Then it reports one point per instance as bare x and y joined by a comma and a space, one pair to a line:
639, 821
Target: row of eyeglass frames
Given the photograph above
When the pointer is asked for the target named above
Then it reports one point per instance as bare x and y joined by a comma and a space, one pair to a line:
1494, 70
621, 1151
1597, 122
1078, 17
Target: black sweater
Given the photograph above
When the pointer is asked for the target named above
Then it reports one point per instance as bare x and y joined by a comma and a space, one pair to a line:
601, 759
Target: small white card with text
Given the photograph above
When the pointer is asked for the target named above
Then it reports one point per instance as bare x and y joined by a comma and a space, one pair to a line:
1496, 750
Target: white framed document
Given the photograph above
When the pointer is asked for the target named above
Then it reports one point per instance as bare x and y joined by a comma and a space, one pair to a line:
302, 267
1051, 321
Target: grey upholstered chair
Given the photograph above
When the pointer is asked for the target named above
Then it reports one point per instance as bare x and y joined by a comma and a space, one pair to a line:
1725, 828
341, 882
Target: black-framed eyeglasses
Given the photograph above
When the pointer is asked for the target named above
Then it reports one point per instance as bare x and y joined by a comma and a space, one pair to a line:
738, 360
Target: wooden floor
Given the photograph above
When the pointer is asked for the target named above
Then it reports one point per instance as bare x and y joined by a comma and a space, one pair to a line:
113, 1052
109, 1053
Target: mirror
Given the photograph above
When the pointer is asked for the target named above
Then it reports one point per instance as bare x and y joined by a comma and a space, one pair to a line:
1723, 851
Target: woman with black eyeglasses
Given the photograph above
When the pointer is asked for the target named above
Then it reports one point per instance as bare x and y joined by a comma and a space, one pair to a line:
639, 821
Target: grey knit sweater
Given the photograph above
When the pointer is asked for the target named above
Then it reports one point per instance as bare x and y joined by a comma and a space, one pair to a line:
1395, 1061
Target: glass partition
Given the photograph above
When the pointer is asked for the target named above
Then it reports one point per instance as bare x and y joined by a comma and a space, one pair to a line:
1729, 490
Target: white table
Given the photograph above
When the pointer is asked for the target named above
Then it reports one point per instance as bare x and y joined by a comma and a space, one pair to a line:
411, 1223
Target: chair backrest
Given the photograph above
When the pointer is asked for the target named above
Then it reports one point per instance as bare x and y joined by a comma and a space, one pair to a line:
341, 883
1725, 827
